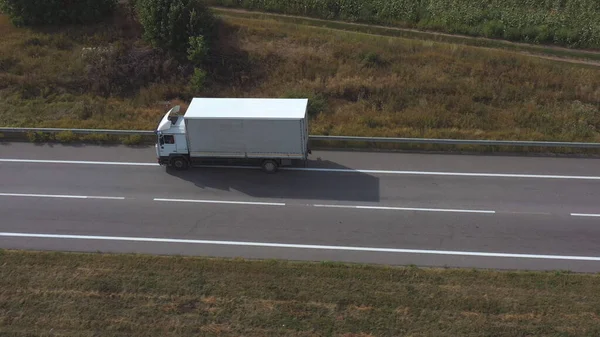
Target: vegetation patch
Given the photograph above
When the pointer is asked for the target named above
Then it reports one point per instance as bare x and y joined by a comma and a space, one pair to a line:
580, 56
53, 12
51, 294
110, 75
367, 85
571, 23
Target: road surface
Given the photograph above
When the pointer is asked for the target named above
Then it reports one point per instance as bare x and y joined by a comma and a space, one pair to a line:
428, 210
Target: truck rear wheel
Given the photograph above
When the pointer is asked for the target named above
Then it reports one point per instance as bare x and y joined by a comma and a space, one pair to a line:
179, 163
269, 166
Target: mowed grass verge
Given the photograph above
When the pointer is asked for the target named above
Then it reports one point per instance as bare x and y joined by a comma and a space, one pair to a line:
358, 84
65, 294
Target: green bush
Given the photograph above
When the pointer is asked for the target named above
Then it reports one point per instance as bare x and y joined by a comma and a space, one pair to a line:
573, 23
133, 140
493, 29
66, 137
197, 51
56, 12
169, 24
317, 103
198, 80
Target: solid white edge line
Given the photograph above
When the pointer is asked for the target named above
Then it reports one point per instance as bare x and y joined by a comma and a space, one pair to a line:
407, 209
59, 196
302, 246
435, 173
438, 173
222, 202
585, 215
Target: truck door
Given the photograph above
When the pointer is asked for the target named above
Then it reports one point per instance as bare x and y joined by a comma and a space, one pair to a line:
181, 143
167, 145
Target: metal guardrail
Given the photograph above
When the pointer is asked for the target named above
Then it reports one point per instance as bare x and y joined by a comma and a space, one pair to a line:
335, 138
457, 141
79, 131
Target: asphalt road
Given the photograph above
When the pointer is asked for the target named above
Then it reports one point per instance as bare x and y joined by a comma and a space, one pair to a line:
429, 210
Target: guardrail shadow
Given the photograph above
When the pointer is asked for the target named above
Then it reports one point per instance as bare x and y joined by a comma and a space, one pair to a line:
348, 185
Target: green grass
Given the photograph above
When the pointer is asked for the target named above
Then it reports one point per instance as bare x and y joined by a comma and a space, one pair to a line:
66, 294
571, 23
358, 84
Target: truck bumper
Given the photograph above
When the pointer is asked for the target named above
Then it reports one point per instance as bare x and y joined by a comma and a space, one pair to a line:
163, 160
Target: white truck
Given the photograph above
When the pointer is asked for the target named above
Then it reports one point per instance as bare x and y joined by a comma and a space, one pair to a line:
270, 132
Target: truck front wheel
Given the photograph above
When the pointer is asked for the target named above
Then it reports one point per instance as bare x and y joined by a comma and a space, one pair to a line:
269, 166
179, 163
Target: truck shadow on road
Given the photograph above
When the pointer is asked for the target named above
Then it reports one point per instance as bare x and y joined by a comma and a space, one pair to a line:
288, 184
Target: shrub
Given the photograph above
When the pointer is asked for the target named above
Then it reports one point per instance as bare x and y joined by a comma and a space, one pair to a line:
197, 51
169, 24
198, 79
493, 29
66, 137
56, 12
39, 137
317, 103
133, 140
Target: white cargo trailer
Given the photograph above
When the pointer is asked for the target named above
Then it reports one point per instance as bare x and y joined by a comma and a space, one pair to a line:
270, 132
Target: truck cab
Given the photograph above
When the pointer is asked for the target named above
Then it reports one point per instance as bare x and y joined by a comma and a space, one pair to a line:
171, 145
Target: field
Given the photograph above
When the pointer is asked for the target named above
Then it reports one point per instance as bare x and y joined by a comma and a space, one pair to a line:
359, 84
570, 23
66, 294
565, 54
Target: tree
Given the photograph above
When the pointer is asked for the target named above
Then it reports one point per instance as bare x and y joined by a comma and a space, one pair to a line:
56, 12
197, 51
173, 24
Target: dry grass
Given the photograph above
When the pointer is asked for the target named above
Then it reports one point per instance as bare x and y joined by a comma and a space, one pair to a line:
572, 23
383, 86
359, 84
60, 294
580, 56
46, 81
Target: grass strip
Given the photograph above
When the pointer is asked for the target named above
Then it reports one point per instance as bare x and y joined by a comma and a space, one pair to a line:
136, 140
68, 294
